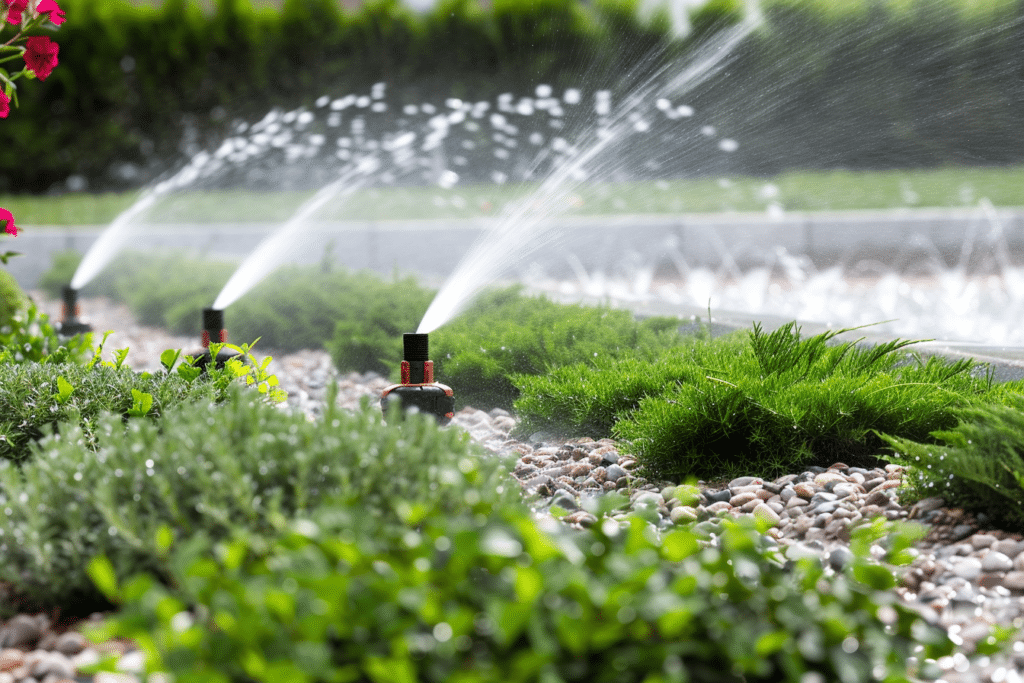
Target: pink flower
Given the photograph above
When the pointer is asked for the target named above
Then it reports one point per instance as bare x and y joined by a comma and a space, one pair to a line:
5, 105
15, 8
41, 55
6, 215
56, 13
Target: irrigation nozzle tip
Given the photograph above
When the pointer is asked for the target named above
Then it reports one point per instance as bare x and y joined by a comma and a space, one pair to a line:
70, 325
418, 391
213, 332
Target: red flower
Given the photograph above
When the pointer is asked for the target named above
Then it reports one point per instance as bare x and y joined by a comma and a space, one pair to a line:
41, 55
15, 8
5, 105
56, 13
6, 215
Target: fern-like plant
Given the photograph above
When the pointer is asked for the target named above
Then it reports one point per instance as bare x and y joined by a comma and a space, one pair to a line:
978, 465
763, 403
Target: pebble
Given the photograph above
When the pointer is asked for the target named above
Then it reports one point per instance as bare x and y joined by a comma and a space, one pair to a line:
965, 576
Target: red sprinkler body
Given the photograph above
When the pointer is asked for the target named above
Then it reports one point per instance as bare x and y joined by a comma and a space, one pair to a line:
70, 325
418, 390
213, 332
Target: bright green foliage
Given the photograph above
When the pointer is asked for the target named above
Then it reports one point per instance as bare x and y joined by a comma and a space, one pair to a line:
370, 316
35, 397
761, 403
109, 486
506, 333
467, 598
30, 338
977, 465
12, 298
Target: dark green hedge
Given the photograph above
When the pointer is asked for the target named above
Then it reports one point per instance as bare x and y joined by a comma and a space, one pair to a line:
869, 85
139, 85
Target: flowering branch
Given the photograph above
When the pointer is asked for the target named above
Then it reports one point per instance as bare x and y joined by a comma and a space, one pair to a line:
39, 53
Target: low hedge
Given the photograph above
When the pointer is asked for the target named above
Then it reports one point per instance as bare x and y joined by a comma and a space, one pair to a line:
474, 598
111, 485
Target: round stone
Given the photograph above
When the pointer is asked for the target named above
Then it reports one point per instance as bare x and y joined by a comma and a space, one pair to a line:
804, 490
996, 562
825, 477
839, 557
564, 500
968, 568
614, 472
718, 496
682, 514
742, 499
765, 514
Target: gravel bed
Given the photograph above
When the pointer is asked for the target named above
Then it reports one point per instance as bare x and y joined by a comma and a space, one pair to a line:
965, 577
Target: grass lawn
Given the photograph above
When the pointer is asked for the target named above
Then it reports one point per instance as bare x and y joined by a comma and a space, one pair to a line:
797, 191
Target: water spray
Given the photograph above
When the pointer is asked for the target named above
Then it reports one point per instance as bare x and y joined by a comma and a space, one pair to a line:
70, 325
213, 332
418, 391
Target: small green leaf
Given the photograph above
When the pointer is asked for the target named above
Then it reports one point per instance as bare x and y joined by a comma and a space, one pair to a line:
169, 357
164, 537
142, 402
64, 390
771, 642
119, 356
101, 571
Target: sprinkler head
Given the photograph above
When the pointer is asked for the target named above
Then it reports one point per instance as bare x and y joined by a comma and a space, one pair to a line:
213, 332
70, 325
418, 391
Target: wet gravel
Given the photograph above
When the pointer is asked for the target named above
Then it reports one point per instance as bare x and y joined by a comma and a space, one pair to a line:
966, 576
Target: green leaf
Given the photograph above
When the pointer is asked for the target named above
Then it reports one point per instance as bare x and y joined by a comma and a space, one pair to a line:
873, 575
119, 356
164, 537
390, 670
142, 402
169, 357
771, 642
101, 571
64, 390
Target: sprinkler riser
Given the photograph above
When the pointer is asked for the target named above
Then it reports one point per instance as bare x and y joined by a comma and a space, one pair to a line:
418, 391
70, 325
213, 332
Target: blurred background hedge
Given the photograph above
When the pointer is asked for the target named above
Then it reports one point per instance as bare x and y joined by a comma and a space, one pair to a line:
855, 84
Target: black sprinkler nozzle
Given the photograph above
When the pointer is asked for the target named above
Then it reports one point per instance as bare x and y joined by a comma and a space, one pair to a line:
213, 332
418, 391
70, 325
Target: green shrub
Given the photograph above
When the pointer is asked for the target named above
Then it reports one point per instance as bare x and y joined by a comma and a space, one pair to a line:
30, 338
358, 316
760, 404
977, 465
12, 298
203, 468
35, 397
499, 598
506, 333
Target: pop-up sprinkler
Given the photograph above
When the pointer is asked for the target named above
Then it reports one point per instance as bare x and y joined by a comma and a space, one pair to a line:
213, 332
418, 390
70, 325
